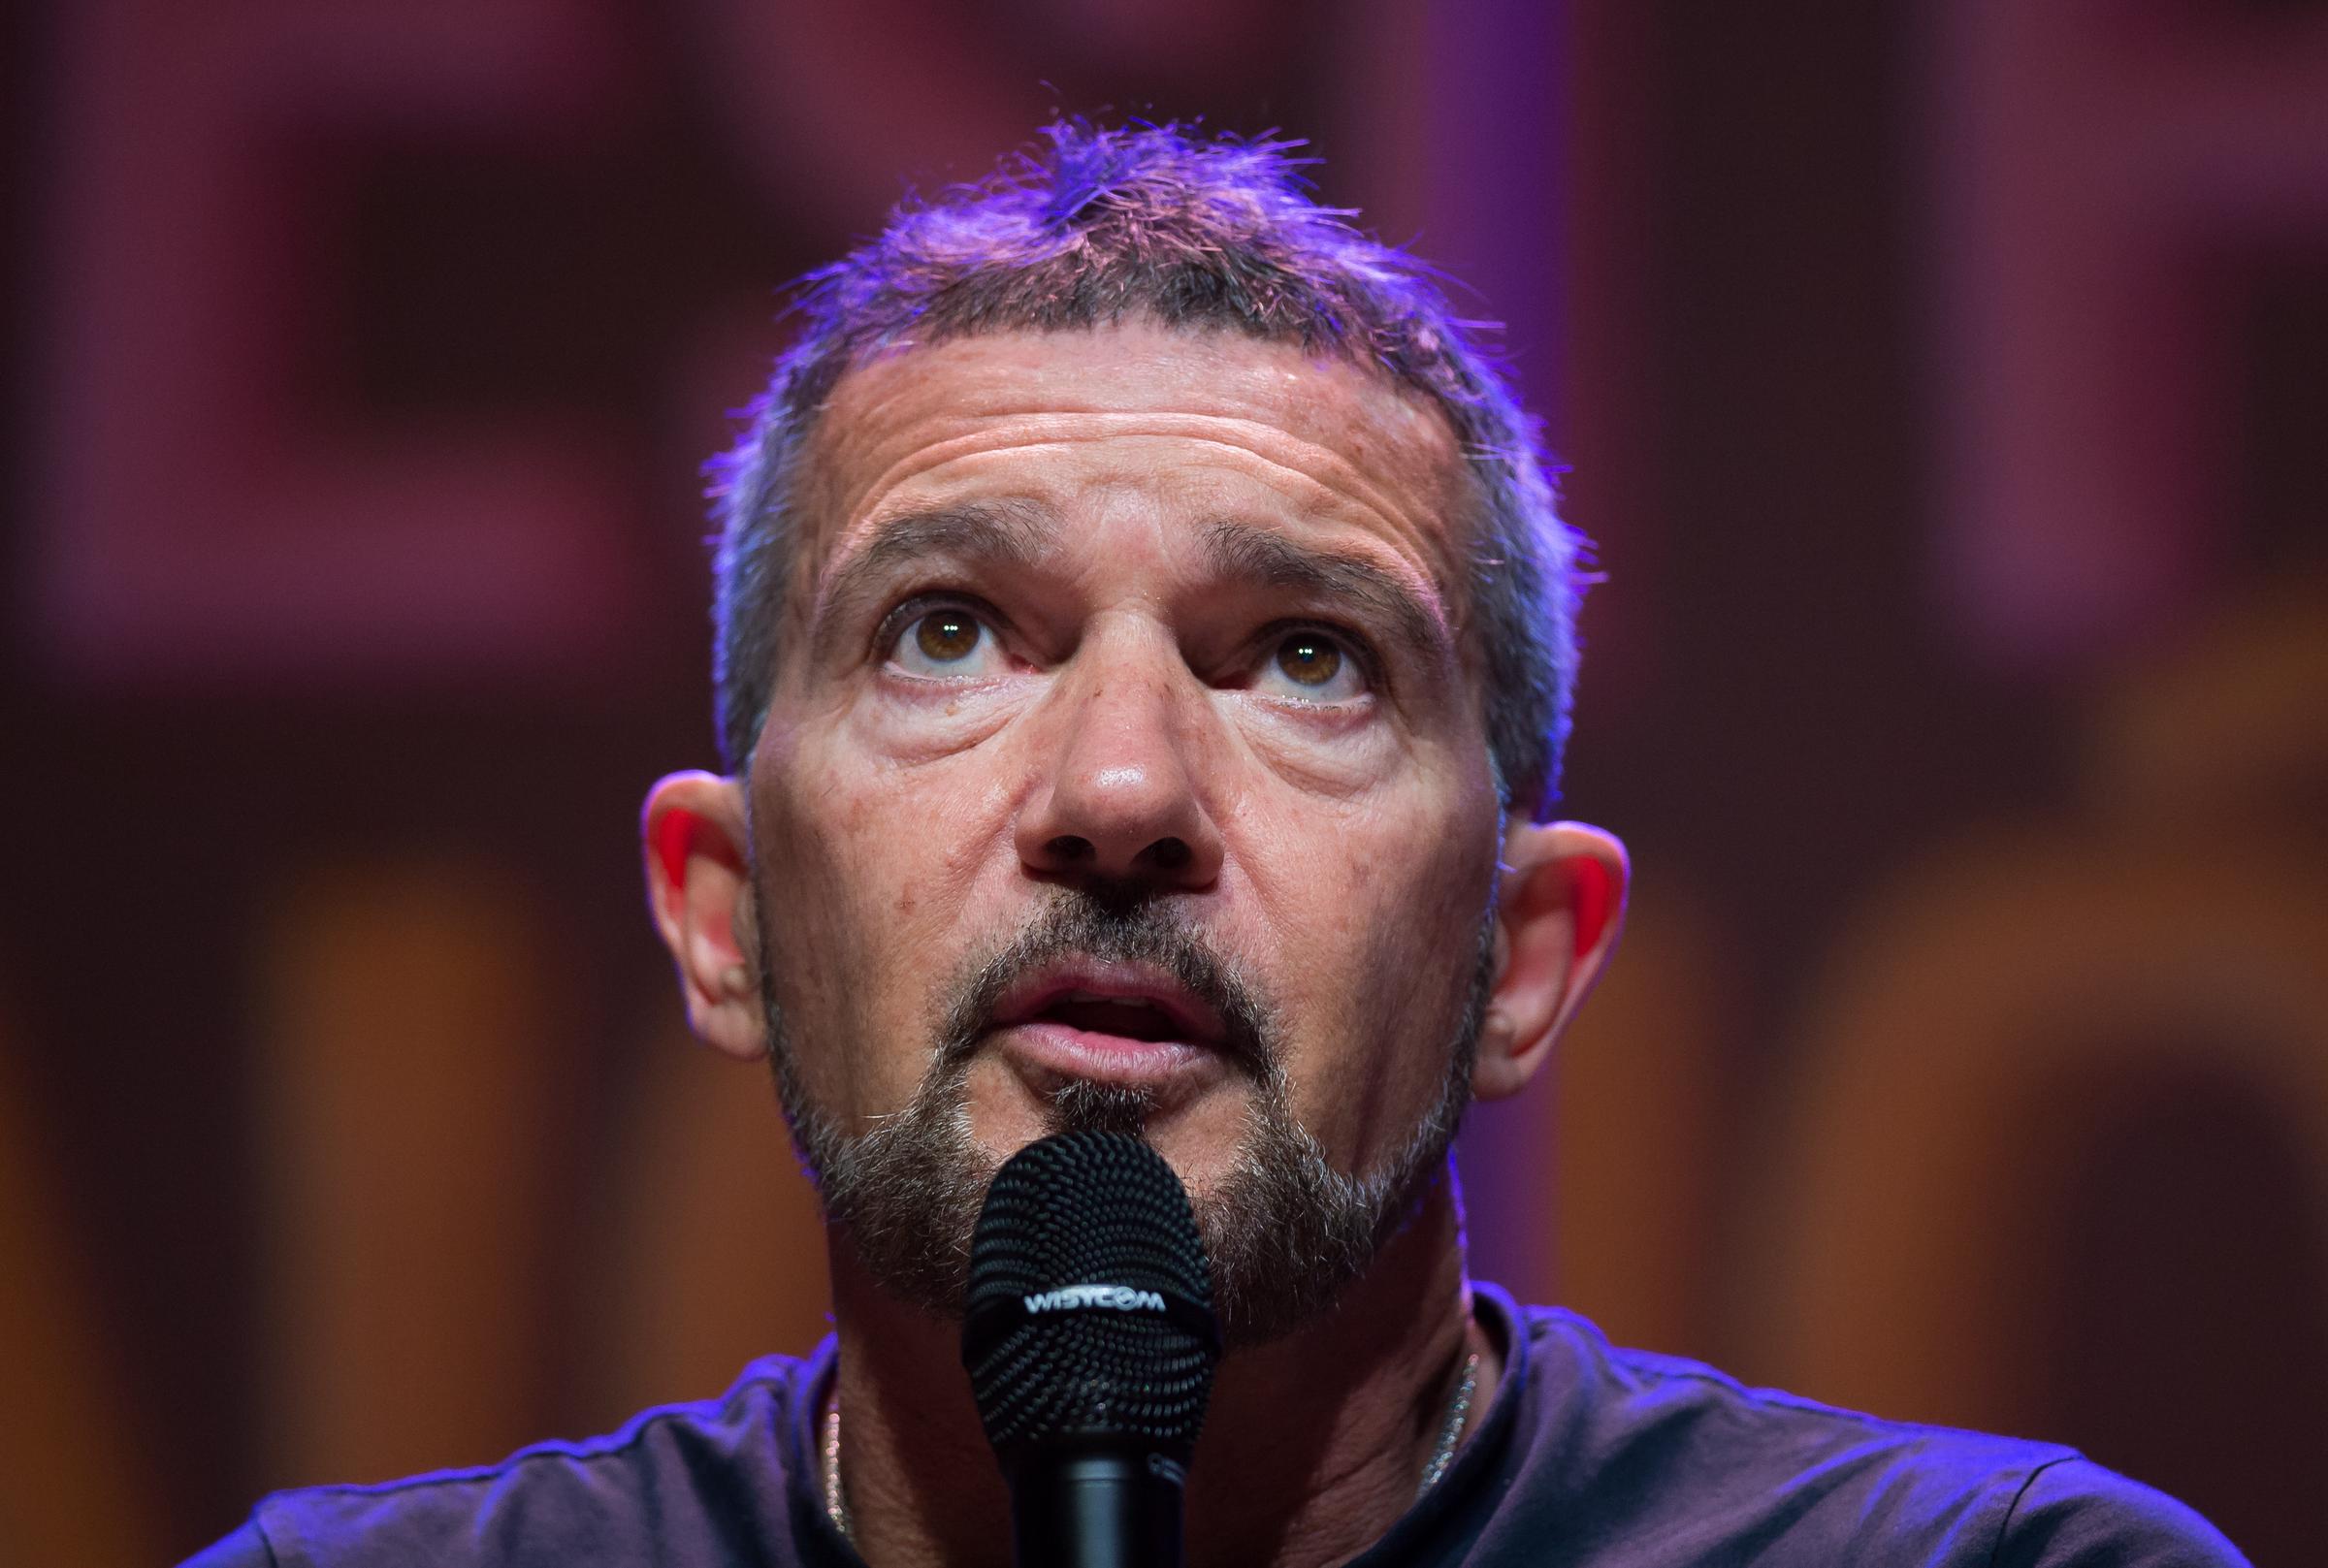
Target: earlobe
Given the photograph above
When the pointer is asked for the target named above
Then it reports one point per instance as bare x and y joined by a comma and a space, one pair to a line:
700, 896
1562, 904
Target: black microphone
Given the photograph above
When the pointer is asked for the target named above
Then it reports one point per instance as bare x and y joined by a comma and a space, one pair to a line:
1089, 1339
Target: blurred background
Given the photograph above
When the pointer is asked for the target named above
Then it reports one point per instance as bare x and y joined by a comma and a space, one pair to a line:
1944, 384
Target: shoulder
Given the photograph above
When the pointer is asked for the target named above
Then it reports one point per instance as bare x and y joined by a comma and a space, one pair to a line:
2075, 1512
1681, 1447
1702, 1416
678, 1476
246, 1548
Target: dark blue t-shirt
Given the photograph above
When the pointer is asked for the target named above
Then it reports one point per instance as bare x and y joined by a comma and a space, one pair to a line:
1590, 1458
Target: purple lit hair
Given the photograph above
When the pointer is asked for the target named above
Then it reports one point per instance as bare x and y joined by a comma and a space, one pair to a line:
1199, 231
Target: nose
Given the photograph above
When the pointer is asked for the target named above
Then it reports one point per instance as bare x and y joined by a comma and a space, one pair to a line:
1118, 796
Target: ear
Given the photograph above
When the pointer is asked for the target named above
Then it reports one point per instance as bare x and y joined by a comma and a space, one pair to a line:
699, 894
1561, 905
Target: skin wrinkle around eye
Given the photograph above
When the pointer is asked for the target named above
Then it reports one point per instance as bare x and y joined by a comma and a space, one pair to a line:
1350, 662
1011, 533
1330, 750
1020, 536
1239, 550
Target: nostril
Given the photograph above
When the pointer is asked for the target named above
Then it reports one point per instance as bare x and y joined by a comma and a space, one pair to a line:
1170, 854
1070, 848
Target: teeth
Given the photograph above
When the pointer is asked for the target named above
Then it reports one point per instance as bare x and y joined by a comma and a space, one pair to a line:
1118, 1001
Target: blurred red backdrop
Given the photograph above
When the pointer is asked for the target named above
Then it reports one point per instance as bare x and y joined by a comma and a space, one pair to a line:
1941, 382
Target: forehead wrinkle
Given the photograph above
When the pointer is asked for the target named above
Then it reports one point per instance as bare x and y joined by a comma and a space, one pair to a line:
1241, 550
976, 422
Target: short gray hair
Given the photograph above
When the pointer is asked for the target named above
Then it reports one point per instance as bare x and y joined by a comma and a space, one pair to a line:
1192, 230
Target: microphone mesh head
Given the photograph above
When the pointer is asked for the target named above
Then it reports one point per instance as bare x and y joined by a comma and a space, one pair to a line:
1089, 1208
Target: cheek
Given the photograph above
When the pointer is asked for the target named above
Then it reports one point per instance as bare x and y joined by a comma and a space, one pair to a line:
1386, 864
877, 842
1327, 758
905, 726
865, 869
1376, 927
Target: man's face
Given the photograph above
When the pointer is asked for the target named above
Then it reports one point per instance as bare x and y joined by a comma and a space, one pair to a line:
1122, 737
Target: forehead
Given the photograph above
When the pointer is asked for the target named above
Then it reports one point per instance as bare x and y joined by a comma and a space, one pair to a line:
1323, 442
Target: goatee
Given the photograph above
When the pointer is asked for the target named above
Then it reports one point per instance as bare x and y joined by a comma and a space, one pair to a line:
1285, 1232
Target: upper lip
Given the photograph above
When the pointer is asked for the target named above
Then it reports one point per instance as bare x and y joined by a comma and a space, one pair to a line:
1079, 978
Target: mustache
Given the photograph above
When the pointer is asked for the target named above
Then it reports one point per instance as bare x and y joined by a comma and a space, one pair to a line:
1081, 922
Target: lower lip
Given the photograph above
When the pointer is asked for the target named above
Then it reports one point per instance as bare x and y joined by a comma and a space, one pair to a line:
1065, 1051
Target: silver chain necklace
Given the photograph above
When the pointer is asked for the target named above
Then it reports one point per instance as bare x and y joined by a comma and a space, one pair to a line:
1443, 1452
836, 1507
1450, 1432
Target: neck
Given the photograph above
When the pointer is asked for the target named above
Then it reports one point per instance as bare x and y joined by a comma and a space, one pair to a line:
1313, 1445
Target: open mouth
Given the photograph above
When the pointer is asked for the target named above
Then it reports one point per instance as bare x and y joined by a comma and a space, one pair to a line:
1108, 1020
1128, 1018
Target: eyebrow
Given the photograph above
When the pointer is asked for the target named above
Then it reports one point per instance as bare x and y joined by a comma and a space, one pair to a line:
1008, 533
1022, 533
1239, 550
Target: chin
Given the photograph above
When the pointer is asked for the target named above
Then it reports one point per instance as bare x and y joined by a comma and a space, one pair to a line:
1199, 1134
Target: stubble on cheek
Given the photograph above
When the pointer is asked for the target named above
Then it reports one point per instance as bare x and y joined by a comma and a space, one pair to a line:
836, 941
904, 1183
1389, 971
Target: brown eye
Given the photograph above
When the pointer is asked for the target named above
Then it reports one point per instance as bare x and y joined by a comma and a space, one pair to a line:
1314, 666
947, 636
1309, 660
947, 643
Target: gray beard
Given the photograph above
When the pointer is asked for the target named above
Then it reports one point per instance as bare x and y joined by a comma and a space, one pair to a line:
1284, 1231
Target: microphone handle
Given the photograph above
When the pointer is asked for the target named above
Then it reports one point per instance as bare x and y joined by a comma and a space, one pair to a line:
1096, 1505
